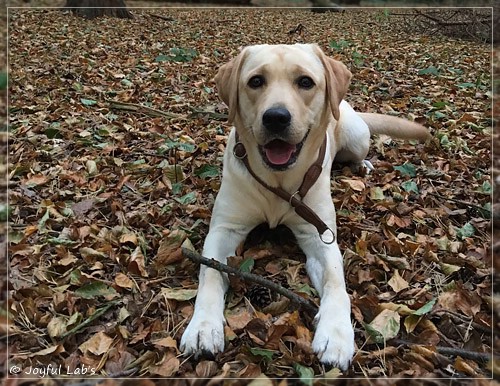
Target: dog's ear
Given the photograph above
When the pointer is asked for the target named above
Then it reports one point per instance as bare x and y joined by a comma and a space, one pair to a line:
338, 78
226, 80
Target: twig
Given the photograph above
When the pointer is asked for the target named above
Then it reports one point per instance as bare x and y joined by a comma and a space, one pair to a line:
92, 317
211, 114
458, 201
141, 109
148, 154
450, 351
167, 18
451, 23
465, 319
305, 304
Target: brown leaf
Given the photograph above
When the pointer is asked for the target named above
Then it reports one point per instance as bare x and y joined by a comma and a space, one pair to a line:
122, 280
355, 184
466, 366
169, 250
167, 368
397, 283
98, 344
136, 263
36, 180
238, 318
252, 370
206, 369
82, 207
168, 342
57, 326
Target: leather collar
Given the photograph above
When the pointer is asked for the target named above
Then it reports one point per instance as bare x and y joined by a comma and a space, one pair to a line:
295, 199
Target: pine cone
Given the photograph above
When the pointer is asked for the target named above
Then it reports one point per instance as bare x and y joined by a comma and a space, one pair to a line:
259, 296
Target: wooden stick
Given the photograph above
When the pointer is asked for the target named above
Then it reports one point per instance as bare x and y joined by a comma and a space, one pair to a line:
141, 109
305, 304
458, 201
450, 351
167, 18
211, 114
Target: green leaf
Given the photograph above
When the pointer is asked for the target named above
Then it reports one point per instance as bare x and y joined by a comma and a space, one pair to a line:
406, 169
42, 221
339, 45
187, 147
443, 243
88, 102
373, 334
207, 171
189, 198
247, 265
95, 289
178, 55
162, 58
426, 308
60, 241
77, 86
467, 230
183, 54
486, 188
306, 374
377, 194
127, 83
4, 212
3, 80
53, 132
305, 288
439, 105
261, 352
410, 186
466, 85
174, 173
177, 188
384, 326
486, 210
75, 277
184, 146
438, 115
449, 269
429, 71
444, 141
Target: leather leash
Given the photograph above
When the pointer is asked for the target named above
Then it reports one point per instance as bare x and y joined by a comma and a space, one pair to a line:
310, 178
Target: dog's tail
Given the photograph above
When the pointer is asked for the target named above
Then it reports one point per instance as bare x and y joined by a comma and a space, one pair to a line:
394, 126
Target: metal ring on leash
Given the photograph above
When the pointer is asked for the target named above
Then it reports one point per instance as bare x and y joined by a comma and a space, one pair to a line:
292, 196
238, 154
328, 242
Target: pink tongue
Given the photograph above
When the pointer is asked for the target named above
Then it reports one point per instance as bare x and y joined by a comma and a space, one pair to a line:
279, 152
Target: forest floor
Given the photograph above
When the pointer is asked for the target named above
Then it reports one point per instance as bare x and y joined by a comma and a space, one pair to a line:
116, 140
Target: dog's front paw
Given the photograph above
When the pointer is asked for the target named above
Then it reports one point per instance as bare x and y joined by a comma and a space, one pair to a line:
203, 336
333, 343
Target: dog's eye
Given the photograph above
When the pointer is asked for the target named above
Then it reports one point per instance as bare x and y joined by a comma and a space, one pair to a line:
305, 82
256, 81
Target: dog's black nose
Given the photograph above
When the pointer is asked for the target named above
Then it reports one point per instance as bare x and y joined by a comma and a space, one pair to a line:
276, 119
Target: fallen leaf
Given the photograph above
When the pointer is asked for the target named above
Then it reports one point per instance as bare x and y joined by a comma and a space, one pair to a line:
98, 344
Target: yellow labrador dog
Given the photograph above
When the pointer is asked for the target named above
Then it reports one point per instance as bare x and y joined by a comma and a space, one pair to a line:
286, 103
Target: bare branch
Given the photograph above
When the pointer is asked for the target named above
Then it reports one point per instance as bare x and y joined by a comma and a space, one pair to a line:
306, 305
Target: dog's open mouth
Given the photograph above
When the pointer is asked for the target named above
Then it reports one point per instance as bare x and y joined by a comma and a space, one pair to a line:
279, 154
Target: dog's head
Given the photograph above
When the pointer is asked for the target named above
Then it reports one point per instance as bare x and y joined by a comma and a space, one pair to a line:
280, 96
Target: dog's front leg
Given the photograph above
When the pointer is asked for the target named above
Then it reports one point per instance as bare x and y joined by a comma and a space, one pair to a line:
334, 338
205, 332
